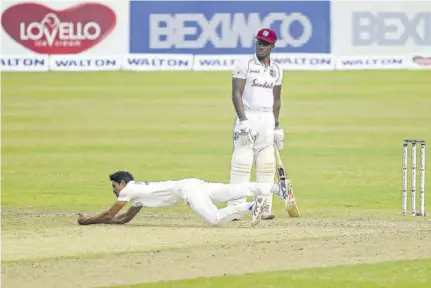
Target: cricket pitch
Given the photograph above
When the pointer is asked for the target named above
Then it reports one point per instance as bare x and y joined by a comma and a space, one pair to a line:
169, 248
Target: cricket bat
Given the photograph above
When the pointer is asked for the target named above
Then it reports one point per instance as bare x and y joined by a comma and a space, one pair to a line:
292, 207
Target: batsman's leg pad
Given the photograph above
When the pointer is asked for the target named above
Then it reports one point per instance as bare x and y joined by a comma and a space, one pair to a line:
241, 165
265, 172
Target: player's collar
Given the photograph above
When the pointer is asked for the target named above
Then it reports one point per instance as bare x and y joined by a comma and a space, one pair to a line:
256, 60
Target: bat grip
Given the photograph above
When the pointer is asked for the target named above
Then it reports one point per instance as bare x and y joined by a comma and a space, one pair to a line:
277, 156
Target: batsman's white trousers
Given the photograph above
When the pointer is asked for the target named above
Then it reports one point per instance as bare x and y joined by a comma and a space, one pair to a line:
201, 196
262, 125
261, 154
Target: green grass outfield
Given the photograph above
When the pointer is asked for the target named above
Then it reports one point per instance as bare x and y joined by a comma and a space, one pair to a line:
397, 274
63, 133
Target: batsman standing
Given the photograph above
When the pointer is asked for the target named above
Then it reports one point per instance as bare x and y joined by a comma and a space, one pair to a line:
256, 96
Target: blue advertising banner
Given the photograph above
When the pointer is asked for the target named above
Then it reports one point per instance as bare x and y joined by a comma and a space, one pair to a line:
213, 27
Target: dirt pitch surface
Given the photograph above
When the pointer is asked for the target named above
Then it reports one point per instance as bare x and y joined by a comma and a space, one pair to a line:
166, 248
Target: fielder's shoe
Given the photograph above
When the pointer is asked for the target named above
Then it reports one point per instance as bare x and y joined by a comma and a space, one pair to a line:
256, 210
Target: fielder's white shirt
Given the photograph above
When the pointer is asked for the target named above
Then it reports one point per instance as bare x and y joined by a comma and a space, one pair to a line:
259, 83
151, 194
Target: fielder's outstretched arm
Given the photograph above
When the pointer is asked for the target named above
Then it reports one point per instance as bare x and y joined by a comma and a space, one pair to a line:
126, 217
104, 217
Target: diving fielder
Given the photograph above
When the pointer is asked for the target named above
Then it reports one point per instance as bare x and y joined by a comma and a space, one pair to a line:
256, 90
199, 195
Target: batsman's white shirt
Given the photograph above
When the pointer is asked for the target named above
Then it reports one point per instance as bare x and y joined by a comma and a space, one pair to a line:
196, 193
258, 98
259, 83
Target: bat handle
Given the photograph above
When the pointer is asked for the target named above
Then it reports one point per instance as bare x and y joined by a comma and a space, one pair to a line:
277, 155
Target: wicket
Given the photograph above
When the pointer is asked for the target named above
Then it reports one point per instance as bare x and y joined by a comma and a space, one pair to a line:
413, 178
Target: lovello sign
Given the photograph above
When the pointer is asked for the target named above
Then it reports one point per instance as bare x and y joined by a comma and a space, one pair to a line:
48, 31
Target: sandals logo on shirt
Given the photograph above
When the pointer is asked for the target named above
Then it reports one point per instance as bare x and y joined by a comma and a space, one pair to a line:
267, 85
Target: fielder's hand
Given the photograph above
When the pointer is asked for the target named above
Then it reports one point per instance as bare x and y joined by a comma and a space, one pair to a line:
279, 138
245, 137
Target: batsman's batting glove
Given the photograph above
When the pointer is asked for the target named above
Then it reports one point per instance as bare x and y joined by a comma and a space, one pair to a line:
245, 133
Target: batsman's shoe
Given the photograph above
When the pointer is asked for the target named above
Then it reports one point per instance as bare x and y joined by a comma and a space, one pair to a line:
257, 209
268, 217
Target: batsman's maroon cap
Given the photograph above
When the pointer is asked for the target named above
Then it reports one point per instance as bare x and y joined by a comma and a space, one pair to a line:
267, 35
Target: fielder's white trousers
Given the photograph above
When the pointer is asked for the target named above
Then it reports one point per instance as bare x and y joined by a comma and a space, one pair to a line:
201, 196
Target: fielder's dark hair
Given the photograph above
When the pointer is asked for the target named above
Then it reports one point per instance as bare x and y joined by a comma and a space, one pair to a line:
121, 176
